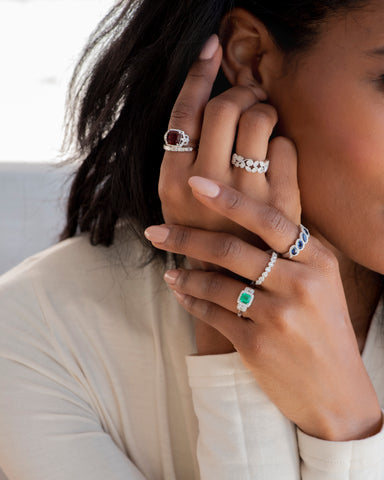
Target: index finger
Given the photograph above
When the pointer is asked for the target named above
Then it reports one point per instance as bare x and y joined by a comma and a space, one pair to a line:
259, 217
187, 113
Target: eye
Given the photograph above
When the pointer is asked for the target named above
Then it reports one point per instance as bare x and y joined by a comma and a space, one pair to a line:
379, 82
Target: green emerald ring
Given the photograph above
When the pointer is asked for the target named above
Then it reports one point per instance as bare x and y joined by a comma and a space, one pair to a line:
245, 300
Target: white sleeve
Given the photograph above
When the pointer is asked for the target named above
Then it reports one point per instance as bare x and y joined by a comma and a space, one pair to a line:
353, 460
48, 429
242, 435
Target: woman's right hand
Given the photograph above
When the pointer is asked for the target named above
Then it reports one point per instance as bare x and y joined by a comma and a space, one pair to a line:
295, 333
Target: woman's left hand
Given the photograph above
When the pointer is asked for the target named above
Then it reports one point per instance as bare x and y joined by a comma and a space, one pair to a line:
297, 337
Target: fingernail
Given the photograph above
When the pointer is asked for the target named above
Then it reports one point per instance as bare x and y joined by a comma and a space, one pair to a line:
209, 48
204, 186
171, 276
157, 234
179, 296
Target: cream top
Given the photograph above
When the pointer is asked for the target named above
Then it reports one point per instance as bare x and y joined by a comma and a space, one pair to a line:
97, 382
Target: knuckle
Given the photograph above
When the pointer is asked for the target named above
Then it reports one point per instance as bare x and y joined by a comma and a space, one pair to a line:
206, 310
212, 285
284, 317
229, 247
181, 238
302, 284
286, 144
168, 190
221, 107
258, 118
327, 260
233, 200
183, 280
198, 75
183, 110
283, 323
274, 220
190, 303
269, 111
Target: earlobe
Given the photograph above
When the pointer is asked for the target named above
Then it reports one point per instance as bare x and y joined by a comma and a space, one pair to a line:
246, 42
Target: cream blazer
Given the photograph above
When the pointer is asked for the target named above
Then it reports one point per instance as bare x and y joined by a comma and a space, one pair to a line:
98, 381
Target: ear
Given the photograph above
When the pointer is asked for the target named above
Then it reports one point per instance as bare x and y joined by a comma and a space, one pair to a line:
250, 56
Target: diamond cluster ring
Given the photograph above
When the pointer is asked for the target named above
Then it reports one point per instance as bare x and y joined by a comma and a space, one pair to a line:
252, 166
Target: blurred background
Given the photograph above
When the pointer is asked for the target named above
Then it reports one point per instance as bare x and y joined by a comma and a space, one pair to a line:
40, 41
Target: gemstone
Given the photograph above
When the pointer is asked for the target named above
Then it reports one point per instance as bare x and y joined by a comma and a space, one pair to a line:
306, 231
300, 244
304, 237
245, 298
294, 251
174, 137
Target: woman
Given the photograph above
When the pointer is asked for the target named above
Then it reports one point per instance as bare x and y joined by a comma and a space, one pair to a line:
104, 372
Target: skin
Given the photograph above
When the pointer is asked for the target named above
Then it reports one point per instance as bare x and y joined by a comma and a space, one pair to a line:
309, 320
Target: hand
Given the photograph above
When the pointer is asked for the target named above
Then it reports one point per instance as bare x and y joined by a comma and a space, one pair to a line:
297, 338
215, 123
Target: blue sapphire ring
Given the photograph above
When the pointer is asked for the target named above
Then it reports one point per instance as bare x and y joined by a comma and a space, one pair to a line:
300, 243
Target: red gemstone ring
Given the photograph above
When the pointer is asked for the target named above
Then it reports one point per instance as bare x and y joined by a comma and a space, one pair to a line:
178, 141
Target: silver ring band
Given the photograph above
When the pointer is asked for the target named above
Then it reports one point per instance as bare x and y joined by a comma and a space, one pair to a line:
252, 166
266, 272
245, 300
300, 243
175, 148
177, 141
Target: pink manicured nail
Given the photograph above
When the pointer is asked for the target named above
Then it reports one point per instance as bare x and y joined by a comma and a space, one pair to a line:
204, 186
171, 276
210, 48
157, 234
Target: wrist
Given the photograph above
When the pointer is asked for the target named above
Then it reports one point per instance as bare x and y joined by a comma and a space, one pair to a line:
344, 429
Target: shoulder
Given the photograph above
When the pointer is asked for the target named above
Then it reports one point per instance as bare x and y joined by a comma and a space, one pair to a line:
74, 282
75, 263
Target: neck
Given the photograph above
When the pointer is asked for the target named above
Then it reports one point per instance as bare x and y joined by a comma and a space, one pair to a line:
362, 288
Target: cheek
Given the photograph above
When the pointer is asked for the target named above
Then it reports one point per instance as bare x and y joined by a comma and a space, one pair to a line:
340, 141
338, 135
341, 153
